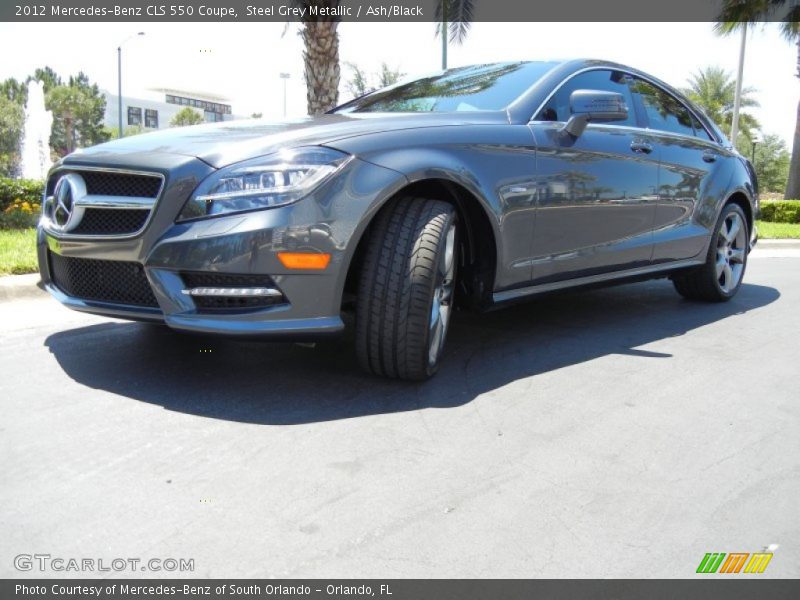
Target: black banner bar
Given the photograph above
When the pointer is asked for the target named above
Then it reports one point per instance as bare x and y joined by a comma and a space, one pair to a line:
364, 10
703, 588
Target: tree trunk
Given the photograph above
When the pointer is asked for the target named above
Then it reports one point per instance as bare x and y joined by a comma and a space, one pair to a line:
68, 133
321, 58
793, 185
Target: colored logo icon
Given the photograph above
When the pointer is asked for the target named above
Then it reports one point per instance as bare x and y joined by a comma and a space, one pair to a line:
735, 562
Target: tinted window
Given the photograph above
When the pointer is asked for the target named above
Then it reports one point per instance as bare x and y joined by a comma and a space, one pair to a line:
481, 87
664, 111
557, 108
699, 130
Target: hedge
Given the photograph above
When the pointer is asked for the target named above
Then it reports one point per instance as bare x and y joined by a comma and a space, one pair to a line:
781, 211
20, 202
17, 191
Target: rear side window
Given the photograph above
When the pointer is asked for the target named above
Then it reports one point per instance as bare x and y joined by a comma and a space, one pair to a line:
699, 130
664, 111
557, 108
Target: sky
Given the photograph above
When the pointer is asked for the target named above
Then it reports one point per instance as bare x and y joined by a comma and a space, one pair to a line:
243, 61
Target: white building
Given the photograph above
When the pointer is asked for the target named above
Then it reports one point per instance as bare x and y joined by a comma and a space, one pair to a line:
157, 114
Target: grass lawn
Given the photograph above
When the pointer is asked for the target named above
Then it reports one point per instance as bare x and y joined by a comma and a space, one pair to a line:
770, 231
18, 251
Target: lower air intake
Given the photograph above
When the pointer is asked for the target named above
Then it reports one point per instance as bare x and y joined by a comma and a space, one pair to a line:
114, 281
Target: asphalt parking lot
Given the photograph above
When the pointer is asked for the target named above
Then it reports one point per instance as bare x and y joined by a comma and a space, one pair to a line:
613, 433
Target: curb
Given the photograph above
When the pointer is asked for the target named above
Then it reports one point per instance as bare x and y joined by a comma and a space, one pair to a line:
21, 287
774, 244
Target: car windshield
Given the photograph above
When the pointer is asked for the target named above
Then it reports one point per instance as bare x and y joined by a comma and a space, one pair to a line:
474, 88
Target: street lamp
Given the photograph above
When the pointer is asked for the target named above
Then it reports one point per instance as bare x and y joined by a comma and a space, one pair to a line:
284, 76
754, 140
119, 77
737, 97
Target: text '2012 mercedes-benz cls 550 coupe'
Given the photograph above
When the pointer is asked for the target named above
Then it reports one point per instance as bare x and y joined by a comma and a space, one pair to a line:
469, 188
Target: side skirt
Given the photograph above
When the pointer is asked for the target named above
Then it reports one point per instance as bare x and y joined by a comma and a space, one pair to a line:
593, 280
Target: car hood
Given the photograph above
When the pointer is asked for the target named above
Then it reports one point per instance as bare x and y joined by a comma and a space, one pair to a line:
221, 144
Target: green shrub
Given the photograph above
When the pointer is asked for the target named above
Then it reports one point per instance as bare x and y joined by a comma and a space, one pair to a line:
16, 218
17, 191
781, 211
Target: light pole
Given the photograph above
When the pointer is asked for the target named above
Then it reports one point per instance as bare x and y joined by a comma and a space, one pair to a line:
119, 78
754, 140
738, 93
284, 76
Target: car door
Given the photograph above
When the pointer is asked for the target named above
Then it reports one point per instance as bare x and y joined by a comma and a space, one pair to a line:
596, 193
688, 170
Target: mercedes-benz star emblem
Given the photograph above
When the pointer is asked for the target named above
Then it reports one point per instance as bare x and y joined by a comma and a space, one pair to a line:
67, 211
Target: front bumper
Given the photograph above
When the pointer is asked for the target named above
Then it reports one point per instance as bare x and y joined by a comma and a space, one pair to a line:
261, 324
331, 220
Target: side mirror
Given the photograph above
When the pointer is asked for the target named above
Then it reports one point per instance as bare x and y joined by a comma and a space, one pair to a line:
594, 106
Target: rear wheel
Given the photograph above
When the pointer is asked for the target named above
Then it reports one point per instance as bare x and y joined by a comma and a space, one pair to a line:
405, 296
721, 276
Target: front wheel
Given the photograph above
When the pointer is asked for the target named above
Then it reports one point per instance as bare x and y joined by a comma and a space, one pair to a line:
406, 287
721, 276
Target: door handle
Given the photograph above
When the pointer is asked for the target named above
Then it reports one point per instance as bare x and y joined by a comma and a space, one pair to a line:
641, 147
709, 156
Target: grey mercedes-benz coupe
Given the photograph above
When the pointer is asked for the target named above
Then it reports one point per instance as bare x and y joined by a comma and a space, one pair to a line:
470, 188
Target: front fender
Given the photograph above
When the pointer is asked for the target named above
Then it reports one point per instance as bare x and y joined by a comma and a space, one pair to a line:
496, 164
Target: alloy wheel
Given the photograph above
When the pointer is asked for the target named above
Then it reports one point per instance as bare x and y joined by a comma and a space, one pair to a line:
441, 307
731, 249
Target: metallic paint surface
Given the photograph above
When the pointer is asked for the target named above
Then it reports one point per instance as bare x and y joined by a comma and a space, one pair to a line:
561, 213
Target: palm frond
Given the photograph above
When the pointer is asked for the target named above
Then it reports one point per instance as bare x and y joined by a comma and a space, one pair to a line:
738, 13
458, 16
790, 26
460, 19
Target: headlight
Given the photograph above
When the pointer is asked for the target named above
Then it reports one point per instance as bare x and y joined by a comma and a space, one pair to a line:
265, 182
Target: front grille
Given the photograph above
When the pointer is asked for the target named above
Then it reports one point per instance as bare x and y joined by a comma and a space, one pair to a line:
192, 279
114, 281
108, 219
103, 183
110, 183
111, 221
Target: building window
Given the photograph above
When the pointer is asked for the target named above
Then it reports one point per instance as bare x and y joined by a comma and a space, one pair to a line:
134, 115
204, 105
151, 118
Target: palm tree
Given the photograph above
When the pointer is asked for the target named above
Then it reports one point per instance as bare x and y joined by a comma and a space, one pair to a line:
321, 39
741, 13
453, 17
321, 54
321, 58
713, 89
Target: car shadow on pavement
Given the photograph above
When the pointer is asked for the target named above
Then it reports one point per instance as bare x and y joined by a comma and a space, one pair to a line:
284, 384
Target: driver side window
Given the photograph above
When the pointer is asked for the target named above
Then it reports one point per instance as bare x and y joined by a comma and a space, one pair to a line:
557, 108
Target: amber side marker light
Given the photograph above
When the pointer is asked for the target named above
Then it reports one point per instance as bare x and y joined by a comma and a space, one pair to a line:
304, 260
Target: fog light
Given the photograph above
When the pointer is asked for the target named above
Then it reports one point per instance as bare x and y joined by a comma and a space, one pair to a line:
304, 260
232, 292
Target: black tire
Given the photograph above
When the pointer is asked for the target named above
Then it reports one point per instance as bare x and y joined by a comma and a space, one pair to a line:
703, 282
400, 279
